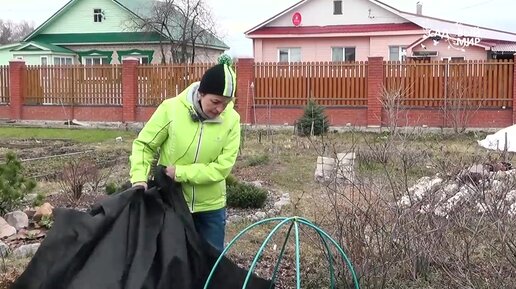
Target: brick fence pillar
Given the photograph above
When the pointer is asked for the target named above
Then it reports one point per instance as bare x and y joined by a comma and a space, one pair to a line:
374, 91
245, 89
129, 88
17, 72
514, 92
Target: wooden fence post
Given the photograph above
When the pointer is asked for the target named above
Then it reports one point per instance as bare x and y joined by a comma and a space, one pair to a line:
17, 85
129, 88
374, 91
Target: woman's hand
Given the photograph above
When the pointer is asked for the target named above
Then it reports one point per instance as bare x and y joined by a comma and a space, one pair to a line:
142, 184
171, 172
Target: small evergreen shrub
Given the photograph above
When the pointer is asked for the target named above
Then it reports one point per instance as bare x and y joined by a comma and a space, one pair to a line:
314, 119
39, 200
244, 196
14, 187
111, 188
258, 160
231, 180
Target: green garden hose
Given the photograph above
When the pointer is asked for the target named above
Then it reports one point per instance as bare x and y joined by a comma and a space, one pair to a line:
295, 223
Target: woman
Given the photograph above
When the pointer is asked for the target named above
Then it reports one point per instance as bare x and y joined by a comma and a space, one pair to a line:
197, 134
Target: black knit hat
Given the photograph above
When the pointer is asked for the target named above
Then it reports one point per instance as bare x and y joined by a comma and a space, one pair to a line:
219, 79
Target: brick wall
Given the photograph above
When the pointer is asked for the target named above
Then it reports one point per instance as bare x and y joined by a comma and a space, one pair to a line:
5, 111
374, 87
371, 115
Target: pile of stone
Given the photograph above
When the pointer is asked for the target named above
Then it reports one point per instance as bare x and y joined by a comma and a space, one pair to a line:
21, 232
481, 185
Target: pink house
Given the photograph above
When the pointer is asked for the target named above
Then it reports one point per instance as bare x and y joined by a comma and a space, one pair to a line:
353, 30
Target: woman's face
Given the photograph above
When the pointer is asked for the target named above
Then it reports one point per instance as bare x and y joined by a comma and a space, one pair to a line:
213, 105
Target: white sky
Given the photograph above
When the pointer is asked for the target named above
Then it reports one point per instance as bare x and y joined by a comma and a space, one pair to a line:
236, 16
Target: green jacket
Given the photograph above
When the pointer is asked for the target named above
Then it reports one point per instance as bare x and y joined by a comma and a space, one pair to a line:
203, 153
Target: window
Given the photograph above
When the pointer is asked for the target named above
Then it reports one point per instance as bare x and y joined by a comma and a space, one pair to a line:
60, 60
44, 60
142, 59
337, 7
95, 60
397, 53
343, 54
98, 15
289, 54
457, 58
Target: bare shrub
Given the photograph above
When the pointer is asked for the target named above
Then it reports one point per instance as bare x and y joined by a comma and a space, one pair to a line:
74, 177
391, 99
459, 107
440, 233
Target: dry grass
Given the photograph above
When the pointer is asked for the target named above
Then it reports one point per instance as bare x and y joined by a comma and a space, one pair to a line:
287, 163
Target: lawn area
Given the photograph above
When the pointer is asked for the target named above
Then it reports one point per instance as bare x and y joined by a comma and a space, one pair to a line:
78, 135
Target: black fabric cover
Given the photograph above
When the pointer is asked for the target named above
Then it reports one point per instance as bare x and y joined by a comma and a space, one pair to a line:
133, 240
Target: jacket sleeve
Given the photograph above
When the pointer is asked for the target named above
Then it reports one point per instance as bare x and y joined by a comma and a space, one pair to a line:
145, 146
199, 174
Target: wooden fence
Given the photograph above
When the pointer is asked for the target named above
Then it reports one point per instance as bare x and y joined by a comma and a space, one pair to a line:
487, 84
328, 83
77, 84
472, 84
4, 84
158, 82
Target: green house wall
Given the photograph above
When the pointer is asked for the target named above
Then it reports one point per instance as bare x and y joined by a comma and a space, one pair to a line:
78, 18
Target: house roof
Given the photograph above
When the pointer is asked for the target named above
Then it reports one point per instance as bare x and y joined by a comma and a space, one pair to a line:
139, 8
9, 46
29, 46
424, 22
505, 47
337, 29
452, 27
96, 38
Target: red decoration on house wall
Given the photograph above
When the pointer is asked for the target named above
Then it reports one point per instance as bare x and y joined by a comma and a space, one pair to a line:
296, 19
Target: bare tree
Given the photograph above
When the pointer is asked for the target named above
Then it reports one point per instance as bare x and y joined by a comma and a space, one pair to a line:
184, 24
11, 32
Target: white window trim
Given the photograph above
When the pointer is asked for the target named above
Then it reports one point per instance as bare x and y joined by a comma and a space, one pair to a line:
344, 52
101, 14
289, 53
84, 58
41, 60
402, 52
140, 57
61, 58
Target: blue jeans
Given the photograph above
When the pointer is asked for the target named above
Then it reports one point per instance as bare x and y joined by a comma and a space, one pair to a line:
211, 226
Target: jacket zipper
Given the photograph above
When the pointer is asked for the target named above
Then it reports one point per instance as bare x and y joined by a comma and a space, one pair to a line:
195, 160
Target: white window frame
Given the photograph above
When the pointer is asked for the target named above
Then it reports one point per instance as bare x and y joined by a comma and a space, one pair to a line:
343, 53
103, 59
98, 16
61, 58
140, 58
41, 60
402, 52
289, 54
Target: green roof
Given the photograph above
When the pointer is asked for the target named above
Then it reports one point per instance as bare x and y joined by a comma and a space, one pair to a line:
43, 46
113, 37
10, 46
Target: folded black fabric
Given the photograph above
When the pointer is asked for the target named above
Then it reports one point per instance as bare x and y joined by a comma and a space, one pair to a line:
133, 240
